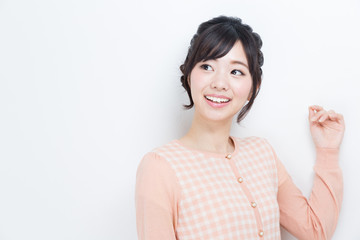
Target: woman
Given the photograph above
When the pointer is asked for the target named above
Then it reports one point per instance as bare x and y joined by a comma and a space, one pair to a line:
210, 185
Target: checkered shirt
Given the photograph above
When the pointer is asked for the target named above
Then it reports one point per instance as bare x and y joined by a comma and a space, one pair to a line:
226, 197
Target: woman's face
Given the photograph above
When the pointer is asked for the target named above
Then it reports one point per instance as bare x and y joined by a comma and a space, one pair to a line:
220, 87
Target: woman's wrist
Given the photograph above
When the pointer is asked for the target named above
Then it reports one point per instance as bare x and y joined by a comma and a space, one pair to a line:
331, 149
327, 157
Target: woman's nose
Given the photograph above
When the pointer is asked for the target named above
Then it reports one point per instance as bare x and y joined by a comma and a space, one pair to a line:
220, 82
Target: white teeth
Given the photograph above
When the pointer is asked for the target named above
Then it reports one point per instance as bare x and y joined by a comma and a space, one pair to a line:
217, 100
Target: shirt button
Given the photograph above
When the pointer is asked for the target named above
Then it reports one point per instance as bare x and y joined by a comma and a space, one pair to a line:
228, 156
261, 233
240, 179
253, 204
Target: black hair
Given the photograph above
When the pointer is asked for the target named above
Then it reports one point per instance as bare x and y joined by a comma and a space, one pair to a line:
214, 39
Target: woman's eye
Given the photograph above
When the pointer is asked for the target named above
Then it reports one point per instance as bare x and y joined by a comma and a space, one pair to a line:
237, 72
206, 67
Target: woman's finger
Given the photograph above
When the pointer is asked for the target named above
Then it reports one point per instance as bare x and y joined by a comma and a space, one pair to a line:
324, 117
317, 108
317, 115
336, 117
333, 115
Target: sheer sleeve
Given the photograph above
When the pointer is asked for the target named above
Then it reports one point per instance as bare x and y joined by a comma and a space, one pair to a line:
156, 198
314, 218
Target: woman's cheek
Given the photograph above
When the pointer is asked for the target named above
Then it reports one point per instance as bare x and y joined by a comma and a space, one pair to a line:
243, 88
198, 81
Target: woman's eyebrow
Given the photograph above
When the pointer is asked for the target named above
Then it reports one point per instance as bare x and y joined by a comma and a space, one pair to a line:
239, 62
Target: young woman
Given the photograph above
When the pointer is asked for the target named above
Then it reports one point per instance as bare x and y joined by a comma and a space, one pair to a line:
210, 185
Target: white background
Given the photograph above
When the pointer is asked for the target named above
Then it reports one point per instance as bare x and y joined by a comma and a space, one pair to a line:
88, 87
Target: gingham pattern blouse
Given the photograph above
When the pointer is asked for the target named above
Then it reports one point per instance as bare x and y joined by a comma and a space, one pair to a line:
186, 194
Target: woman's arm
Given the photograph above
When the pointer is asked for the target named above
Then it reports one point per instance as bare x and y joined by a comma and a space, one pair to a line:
156, 195
315, 218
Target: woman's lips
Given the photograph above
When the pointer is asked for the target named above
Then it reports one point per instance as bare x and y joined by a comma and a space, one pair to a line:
217, 101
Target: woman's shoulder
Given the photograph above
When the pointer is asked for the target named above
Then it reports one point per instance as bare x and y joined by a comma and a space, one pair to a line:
156, 180
155, 161
162, 152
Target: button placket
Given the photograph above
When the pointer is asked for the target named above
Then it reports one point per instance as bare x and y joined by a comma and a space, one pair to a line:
249, 196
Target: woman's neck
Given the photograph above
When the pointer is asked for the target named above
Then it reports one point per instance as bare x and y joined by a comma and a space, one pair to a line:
209, 136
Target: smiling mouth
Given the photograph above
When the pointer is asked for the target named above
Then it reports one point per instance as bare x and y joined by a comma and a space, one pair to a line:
217, 100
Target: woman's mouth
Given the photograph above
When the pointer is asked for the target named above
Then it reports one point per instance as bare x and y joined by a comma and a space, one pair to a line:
217, 99
217, 102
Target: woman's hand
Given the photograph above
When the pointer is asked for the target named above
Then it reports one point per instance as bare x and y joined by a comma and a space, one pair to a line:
326, 127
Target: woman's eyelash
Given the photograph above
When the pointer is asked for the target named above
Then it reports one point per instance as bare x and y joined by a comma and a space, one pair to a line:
205, 66
241, 73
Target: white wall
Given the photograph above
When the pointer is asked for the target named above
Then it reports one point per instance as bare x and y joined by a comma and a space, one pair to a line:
88, 87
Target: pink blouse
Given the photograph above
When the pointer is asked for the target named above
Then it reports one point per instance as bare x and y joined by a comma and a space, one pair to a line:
186, 194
